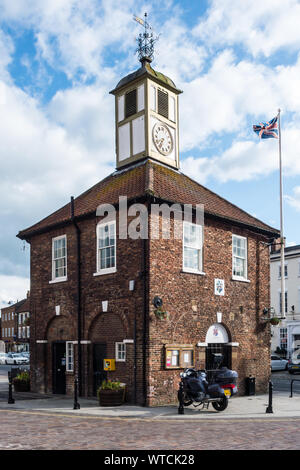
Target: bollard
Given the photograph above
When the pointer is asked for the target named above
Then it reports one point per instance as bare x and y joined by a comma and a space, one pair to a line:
270, 407
180, 398
10, 401
76, 404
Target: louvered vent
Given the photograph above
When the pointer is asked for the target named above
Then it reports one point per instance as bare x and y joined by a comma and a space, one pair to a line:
130, 103
163, 103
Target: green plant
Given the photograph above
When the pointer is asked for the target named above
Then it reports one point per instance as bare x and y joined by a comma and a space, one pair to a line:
274, 321
161, 313
111, 385
22, 377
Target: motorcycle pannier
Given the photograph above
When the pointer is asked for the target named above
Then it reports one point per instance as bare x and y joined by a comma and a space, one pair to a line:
225, 376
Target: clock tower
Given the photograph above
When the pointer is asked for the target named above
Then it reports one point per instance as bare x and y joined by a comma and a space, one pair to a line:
146, 112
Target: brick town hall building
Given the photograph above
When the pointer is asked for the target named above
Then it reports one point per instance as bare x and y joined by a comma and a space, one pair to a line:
93, 291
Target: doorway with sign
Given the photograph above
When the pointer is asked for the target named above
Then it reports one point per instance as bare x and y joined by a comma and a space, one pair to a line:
218, 350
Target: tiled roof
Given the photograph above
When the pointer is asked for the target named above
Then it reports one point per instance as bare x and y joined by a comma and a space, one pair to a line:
152, 178
18, 306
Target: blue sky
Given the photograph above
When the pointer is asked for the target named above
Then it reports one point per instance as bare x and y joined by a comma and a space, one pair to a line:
237, 63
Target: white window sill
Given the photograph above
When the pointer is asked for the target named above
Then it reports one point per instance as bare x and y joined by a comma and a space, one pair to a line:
191, 271
105, 271
241, 279
59, 279
120, 360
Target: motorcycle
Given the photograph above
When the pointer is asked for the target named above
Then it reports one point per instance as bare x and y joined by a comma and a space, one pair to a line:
195, 389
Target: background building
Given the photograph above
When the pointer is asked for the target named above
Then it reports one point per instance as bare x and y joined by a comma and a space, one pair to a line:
15, 329
287, 333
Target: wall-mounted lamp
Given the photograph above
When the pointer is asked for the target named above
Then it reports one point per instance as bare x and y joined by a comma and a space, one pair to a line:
57, 309
104, 305
131, 285
219, 317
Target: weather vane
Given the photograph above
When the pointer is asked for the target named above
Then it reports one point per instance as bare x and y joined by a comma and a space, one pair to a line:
145, 40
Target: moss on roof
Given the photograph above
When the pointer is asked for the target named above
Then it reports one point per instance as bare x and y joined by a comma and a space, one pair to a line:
146, 70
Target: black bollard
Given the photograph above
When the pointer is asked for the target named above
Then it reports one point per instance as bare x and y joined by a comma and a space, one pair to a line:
10, 401
270, 407
76, 404
180, 398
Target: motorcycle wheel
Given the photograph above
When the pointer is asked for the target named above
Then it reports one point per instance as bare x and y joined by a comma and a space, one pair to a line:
220, 405
186, 401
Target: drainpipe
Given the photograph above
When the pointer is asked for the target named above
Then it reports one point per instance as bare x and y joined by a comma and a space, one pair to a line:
79, 367
135, 359
146, 313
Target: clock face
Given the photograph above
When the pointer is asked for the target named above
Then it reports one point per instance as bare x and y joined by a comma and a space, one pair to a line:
162, 138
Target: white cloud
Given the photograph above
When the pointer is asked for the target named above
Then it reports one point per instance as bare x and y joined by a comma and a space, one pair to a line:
263, 27
6, 51
73, 35
294, 201
12, 288
221, 100
177, 54
248, 159
42, 161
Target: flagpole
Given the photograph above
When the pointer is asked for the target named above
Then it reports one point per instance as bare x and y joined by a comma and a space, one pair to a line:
281, 222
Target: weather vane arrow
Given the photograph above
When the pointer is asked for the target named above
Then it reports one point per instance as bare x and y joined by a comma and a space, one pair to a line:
145, 41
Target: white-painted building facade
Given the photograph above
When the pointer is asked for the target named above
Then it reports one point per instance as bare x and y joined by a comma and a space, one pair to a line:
286, 335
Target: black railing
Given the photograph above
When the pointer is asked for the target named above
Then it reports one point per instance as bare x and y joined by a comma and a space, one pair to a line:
292, 381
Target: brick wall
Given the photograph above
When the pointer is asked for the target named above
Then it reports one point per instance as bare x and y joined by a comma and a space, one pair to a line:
124, 307
180, 291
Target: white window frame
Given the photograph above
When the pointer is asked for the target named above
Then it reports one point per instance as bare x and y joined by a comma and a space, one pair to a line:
69, 355
112, 269
121, 353
61, 278
198, 246
285, 270
285, 302
234, 276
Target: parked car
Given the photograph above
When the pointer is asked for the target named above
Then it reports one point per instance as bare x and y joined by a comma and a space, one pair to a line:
294, 365
15, 358
3, 358
26, 356
277, 363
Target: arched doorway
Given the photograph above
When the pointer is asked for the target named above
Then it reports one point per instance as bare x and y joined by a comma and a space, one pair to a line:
218, 349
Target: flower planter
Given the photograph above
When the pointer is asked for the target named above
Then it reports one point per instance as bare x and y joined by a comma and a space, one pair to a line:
274, 321
111, 397
21, 386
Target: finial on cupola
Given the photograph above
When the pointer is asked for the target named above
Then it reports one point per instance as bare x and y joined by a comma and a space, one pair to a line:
145, 41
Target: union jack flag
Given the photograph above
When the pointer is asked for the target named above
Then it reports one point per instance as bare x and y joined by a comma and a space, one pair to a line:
267, 130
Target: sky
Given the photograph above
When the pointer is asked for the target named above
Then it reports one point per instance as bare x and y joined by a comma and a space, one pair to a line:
237, 63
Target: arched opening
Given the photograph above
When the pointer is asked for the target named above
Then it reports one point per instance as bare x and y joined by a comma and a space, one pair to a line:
218, 350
